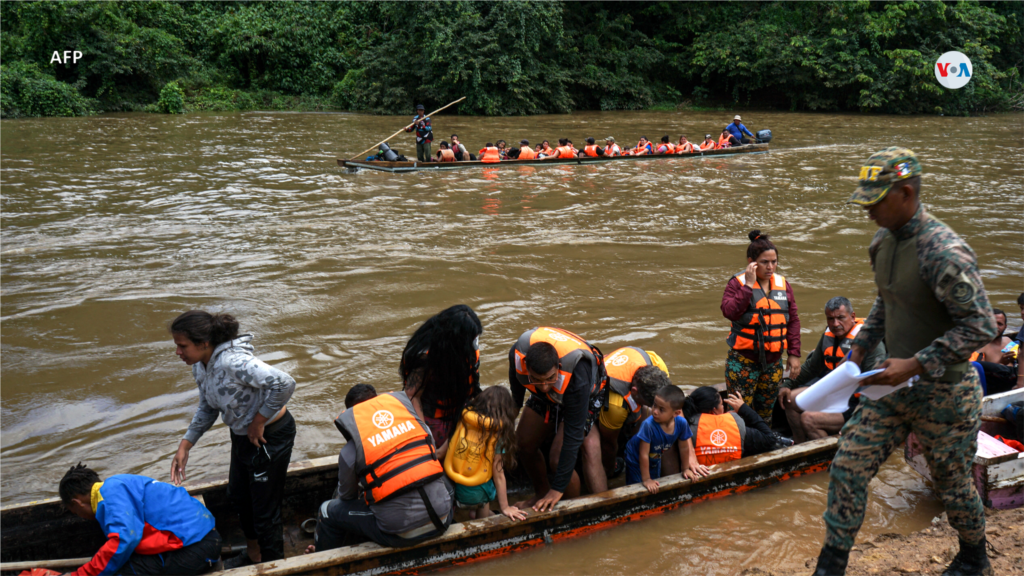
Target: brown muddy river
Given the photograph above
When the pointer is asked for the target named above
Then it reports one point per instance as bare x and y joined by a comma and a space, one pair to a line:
112, 225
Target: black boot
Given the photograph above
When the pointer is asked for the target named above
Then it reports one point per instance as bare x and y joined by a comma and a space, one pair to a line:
831, 562
971, 560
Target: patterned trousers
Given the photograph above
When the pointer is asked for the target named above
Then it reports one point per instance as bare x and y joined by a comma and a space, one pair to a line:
759, 388
945, 417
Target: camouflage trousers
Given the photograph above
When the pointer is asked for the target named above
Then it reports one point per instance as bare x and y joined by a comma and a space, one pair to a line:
945, 417
759, 388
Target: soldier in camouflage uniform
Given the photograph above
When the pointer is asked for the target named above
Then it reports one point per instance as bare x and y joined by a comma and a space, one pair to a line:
933, 312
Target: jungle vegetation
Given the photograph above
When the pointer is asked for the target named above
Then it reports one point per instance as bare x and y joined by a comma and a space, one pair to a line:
508, 58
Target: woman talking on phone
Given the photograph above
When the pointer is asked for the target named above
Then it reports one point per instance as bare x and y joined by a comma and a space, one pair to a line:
250, 396
765, 324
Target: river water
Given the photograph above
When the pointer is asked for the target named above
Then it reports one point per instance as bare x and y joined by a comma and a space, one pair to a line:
114, 224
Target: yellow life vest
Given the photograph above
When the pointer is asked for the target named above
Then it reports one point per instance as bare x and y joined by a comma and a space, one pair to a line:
468, 461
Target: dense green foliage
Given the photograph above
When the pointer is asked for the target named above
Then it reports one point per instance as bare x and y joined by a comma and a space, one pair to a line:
507, 58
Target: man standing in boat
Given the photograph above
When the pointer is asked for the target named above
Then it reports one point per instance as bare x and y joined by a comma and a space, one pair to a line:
424, 133
933, 312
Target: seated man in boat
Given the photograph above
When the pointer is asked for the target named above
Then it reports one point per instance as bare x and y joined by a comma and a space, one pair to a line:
721, 436
666, 147
737, 130
151, 527
634, 376
997, 366
708, 143
461, 154
727, 140
591, 150
525, 152
843, 326
444, 153
564, 375
611, 148
664, 431
391, 510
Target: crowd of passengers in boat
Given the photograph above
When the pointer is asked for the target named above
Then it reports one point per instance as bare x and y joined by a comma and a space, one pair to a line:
735, 134
445, 442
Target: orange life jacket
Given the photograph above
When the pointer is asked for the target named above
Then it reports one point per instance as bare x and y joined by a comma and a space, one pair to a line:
612, 150
591, 150
977, 357
447, 155
641, 148
684, 148
394, 451
490, 155
719, 437
670, 148
571, 350
620, 366
723, 141
764, 323
564, 152
708, 145
527, 153
835, 352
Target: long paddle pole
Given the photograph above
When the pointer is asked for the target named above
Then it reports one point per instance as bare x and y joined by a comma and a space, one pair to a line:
403, 130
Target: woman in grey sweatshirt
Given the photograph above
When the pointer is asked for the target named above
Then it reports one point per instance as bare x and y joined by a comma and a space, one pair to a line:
250, 397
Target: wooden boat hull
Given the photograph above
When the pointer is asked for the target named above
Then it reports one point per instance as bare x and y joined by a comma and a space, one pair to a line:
41, 530
998, 470
431, 166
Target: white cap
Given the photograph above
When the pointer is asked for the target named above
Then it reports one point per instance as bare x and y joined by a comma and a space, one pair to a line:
737, 117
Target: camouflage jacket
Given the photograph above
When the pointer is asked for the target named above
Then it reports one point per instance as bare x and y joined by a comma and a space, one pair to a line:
949, 267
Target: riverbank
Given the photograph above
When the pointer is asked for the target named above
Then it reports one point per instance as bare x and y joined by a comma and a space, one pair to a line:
928, 551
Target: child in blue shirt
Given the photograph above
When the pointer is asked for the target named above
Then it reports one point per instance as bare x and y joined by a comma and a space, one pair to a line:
662, 430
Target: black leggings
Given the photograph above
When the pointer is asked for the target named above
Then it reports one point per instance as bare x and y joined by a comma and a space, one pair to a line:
256, 490
195, 558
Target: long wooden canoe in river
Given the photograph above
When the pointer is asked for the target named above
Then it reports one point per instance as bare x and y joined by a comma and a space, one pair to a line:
43, 530
414, 166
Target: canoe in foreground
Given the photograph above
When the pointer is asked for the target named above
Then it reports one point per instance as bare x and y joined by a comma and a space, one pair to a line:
428, 166
38, 531
998, 470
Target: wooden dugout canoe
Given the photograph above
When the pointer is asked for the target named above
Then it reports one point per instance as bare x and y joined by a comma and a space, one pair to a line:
998, 470
430, 166
43, 530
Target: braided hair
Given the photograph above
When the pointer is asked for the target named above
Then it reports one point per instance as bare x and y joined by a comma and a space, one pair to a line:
759, 243
77, 481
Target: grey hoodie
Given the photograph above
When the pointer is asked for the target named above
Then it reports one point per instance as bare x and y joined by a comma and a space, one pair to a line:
236, 384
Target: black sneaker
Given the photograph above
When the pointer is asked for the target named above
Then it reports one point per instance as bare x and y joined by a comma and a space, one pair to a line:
781, 441
620, 467
238, 561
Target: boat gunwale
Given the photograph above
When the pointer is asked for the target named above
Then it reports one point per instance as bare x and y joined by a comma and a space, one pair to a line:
416, 166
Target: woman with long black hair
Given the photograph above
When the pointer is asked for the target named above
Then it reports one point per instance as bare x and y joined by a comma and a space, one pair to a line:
250, 396
721, 436
441, 369
765, 324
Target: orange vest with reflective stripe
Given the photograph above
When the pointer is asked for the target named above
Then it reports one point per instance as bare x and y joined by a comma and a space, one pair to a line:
527, 153
394, 451
590, 150
835, 353
719, 438
571, 350
490, 155
765, 320
447, 156
620, 366
612, 150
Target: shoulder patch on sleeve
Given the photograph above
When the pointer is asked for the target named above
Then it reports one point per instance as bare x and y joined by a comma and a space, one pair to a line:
947, 278
962, 292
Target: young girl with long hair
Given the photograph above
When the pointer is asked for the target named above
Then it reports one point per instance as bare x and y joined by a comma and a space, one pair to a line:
482, 448
440, 369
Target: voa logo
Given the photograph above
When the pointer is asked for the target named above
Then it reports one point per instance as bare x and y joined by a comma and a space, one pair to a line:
953, 70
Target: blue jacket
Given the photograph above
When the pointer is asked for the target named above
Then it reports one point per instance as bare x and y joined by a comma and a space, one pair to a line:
738, 131
139, 514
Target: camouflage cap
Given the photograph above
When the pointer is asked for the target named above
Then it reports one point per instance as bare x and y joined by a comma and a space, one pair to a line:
881, 171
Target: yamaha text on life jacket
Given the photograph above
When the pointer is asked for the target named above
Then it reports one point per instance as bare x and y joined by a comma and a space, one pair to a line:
571, 350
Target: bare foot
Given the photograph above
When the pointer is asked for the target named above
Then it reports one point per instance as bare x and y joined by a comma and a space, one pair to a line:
472, 514
310, 549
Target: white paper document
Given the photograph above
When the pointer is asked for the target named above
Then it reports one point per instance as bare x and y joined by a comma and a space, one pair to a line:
832, 393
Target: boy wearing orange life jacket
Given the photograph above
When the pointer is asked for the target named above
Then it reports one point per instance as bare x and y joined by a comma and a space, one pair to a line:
665, 429
666, 147
398, 501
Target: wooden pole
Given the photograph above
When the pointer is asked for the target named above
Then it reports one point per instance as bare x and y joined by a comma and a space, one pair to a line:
402, 130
